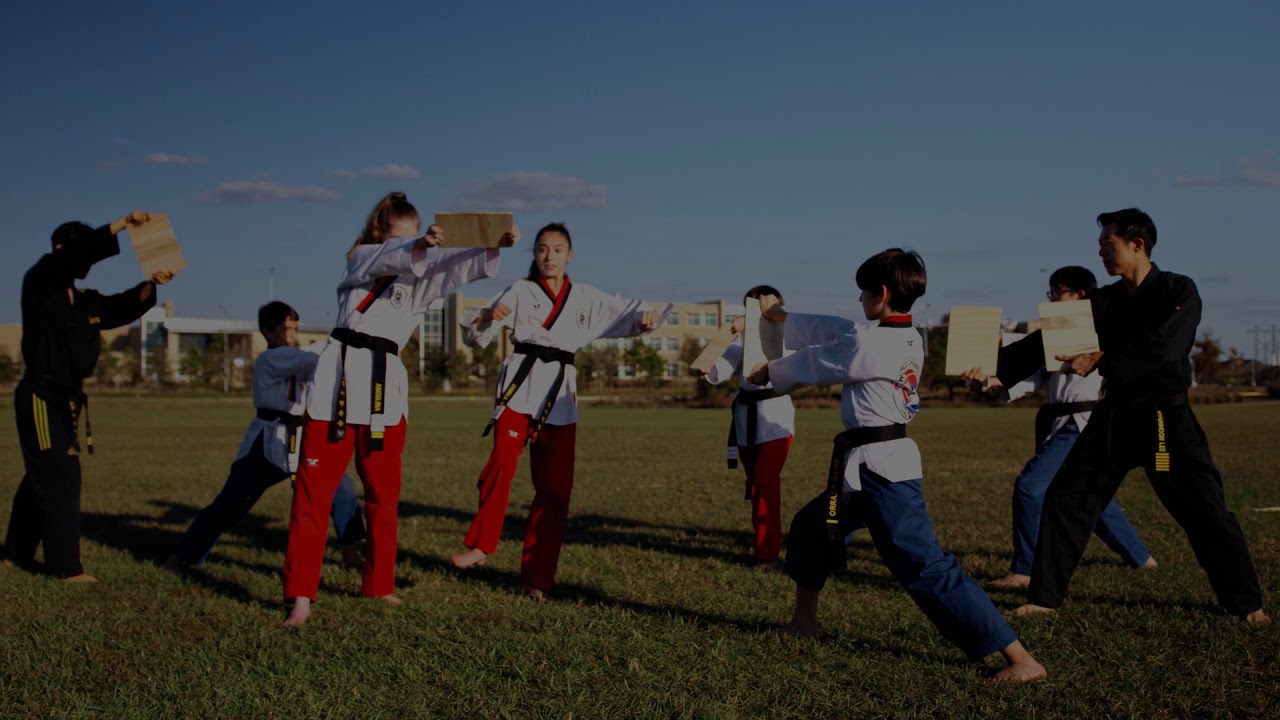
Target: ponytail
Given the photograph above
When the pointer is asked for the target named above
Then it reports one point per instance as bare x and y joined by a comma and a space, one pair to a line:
394, 206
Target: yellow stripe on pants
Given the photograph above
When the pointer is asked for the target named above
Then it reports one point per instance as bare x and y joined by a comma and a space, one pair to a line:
41, 415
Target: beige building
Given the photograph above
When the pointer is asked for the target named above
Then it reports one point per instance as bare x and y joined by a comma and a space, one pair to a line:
162, 339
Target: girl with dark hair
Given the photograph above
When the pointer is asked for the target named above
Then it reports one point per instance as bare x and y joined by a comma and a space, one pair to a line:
537, 399
760, 435
358, 402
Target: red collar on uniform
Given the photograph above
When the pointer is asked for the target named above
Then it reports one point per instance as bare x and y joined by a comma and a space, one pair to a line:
558, 300
899, 321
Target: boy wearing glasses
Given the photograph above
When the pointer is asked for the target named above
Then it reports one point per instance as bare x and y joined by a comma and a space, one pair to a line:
1068, 403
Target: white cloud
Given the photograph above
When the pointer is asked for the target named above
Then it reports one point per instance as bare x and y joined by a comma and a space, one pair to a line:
529, 192
173, 159
1260, 170
241, 192
392, 170
346, 174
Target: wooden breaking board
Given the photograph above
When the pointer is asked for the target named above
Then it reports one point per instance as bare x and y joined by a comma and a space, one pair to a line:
474, 229
156, 245
713, 351
762, 338
1067, 329
973, 339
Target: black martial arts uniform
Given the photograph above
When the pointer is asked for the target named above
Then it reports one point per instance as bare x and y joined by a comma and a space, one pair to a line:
1143, 420
60, 347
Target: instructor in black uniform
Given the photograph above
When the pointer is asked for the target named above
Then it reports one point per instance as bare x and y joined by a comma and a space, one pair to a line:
60, 345
1146, 324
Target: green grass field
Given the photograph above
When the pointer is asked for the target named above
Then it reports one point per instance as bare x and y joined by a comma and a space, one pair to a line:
658, 611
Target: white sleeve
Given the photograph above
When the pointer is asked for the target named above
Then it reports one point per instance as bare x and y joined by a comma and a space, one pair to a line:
727, 364
477, 334
802, 329
448, 269
615, 317
1024, 388
837, 362
396, 256
282, 362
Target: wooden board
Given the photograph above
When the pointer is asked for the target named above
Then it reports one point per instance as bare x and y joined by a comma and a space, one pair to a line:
762, 338
973, 339
714, 350
474, 229
1067, 328
156, 245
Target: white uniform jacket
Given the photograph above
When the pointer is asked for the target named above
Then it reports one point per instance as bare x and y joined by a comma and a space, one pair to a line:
777, 416
879, 367
279, 383
417, 275
579, 315
1059, 388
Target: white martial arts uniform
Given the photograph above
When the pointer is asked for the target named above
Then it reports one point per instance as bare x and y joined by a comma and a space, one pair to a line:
777, 416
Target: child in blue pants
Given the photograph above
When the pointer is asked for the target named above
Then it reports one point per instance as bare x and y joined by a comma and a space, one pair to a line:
875, 474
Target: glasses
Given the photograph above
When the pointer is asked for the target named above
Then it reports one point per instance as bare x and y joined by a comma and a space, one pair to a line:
1057, 291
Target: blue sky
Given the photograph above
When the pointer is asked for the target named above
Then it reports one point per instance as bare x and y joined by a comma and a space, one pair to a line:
694, 149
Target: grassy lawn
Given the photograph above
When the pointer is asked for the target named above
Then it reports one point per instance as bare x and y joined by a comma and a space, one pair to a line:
658, 612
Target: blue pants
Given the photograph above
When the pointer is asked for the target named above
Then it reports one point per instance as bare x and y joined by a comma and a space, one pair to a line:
900, 527
250, 477
1112, 527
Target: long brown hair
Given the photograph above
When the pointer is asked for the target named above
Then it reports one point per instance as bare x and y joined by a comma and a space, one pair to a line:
394, 206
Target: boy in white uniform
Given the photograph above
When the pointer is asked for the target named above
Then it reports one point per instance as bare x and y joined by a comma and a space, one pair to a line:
1069, 401
875, 473
269, 452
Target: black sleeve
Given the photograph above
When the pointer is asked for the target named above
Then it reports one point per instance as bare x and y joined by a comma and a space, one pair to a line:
1165, 341
123, 308
1019, 360
89, 251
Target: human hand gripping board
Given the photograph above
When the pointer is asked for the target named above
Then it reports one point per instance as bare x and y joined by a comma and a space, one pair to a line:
973, 339
471, 229
156, 245
1067, 330
762, 339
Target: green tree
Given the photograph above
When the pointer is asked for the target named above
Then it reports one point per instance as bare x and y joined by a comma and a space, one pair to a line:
596, 366
1205, 358
647, 361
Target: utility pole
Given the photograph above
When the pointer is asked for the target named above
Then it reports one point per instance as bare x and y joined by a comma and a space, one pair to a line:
1255, 332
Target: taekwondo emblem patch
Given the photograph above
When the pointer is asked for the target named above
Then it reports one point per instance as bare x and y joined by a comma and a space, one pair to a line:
582, 318
908, 382
399, 296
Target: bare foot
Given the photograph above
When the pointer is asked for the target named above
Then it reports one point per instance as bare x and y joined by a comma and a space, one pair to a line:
1012, 580
1032, 609
1257, 617
299, 614
390, 599
798, 630
352, 557
470, 558
537, 595
173, 565
1022, 667
81, 579
1150, 564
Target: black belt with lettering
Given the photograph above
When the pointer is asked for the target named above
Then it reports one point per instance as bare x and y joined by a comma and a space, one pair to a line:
843, 443
1051, 411
533, 353
380, 349
292, 425
749, 399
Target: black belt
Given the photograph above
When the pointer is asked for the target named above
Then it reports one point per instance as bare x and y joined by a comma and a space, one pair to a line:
844, 442
77, 401
291, 423
380, 348
750, 399
532, 353
1051, 411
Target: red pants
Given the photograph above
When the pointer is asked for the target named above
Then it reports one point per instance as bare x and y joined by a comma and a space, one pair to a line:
551, 460
766, 504
320, 469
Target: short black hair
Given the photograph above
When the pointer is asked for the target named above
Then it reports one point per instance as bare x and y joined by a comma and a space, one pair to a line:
1074, 277
1131, 224
273, 314
761, 290
70, 233
901, 271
